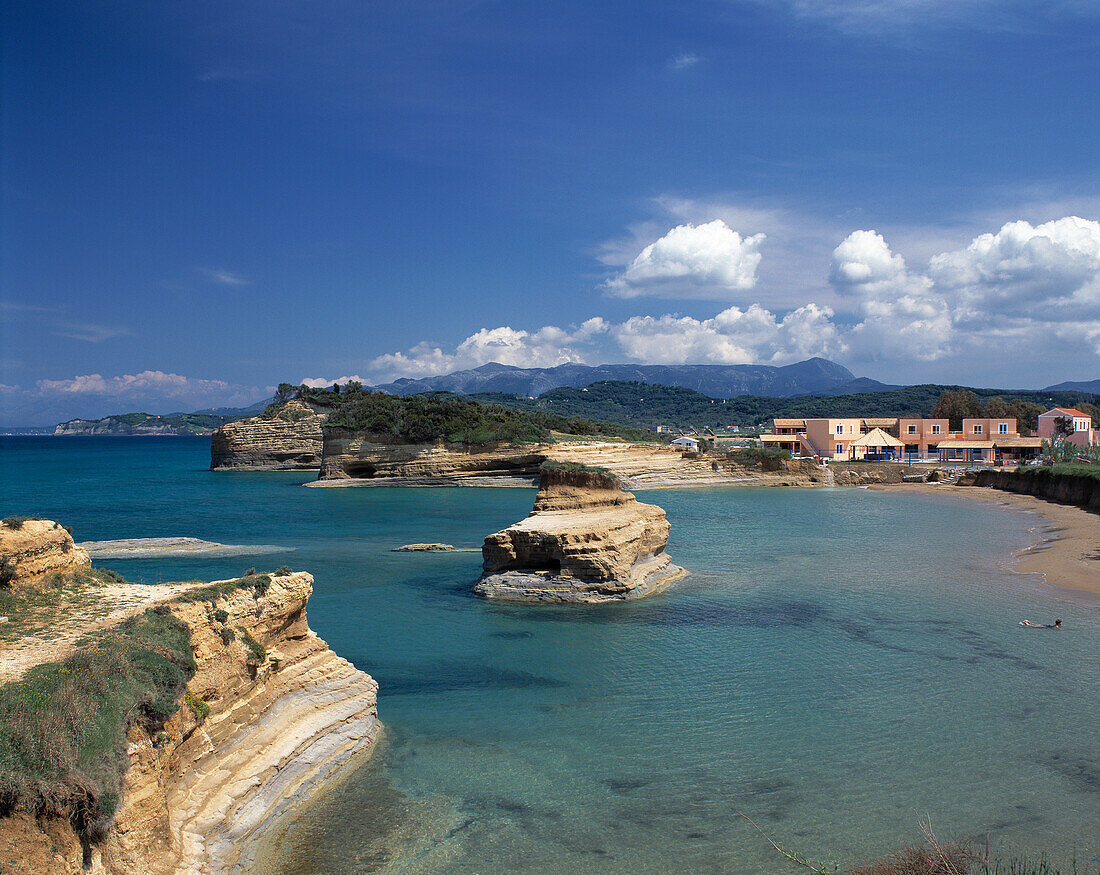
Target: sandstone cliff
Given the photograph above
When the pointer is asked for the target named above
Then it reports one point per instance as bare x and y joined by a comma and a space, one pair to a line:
349, 458
271, 712
348, 455
1061, 488
37, 547
290, 440
586, 541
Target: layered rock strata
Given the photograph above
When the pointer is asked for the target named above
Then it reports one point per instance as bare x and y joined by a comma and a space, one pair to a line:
37, 547
198, 795
586, 541
291, 440
348, 455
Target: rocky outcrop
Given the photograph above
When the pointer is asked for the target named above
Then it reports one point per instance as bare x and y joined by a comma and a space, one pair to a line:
871, 473
586, 541
271, 714
348, 455
1042, 483
290, 440
36, 547
425, 548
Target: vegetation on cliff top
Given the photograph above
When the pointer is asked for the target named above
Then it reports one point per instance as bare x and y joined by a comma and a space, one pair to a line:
63, 725
430, 417
577, 474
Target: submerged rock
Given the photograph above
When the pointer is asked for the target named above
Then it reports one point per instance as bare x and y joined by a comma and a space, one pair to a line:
586, 541
425, 548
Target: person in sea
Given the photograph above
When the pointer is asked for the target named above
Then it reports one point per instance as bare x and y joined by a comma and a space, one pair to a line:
1057, 624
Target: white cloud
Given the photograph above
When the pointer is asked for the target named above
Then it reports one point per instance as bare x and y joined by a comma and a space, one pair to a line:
324, 382
225, 277
901, 315
683, 61
545, 348
706, 262
144, 384
1050, 272
89, 332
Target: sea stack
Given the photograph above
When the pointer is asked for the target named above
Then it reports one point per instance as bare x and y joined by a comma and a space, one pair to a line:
288, 440
586, 541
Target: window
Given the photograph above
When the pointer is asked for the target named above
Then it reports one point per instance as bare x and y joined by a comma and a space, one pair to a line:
933, 448
935, 429
912, 429
839, 447
977, 428
1002, 428
839, 430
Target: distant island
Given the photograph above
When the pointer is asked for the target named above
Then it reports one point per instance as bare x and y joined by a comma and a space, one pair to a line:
146, 424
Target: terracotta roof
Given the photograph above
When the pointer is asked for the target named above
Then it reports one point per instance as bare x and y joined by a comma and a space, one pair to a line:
881, 422
1072, 411
790, 423
965, 445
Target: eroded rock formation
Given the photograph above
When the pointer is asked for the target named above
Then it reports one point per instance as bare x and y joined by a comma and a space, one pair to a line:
350, 455
290, 440
37, 547
284, 716
586, 541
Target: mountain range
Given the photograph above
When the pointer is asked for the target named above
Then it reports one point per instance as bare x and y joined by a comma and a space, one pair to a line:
815, 376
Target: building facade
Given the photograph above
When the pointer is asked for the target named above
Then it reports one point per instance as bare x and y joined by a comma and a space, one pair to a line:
1083, 435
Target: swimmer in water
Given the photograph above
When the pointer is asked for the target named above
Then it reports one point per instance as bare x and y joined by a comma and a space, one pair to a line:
1057, 624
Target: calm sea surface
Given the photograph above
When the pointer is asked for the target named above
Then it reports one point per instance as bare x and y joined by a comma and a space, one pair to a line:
839, 663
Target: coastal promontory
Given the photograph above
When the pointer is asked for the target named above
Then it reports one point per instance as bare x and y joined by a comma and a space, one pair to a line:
283, 438
586, 541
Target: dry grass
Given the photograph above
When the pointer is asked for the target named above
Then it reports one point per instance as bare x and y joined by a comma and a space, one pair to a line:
952, 859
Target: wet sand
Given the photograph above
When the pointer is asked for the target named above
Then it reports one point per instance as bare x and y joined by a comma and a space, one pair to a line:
1067, 548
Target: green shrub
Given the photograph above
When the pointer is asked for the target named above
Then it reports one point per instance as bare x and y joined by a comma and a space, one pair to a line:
227, 635
221, 616
198, 707
16, 522
259, 584
7, 571
283, 571
750, 453
252, 644
63, 725
161, 739
250, 572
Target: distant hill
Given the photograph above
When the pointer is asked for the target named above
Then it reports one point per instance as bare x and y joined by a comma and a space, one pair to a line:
1092, 386
816, 376
642, 404
129, 424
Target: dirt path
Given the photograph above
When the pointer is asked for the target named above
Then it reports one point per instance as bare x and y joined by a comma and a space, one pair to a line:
100, 607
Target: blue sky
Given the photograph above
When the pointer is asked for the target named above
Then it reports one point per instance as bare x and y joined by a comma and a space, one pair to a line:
201, 200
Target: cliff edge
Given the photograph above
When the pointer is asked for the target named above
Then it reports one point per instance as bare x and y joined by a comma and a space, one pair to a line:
268, 715
586, 541
31, 548
288, 441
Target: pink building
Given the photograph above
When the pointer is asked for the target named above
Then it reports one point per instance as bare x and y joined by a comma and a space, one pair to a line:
992, 441
1084, 435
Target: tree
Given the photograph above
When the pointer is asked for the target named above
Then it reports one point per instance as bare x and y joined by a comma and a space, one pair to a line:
1027, 415
995, 408
284, 393
955, 405
1063, 428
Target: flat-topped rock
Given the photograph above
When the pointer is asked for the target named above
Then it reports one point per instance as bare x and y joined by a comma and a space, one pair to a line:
290, 440
424, 548
585, 541
36, 547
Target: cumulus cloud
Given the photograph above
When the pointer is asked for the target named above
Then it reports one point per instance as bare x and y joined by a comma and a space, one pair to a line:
1051, 271
709, 261
733, 336
325, 382
901, 314
545, 348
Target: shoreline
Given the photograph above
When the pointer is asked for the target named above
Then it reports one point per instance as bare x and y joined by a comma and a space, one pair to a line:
1066, 547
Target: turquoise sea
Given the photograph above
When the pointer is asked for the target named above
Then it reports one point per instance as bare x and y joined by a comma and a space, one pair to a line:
839, 664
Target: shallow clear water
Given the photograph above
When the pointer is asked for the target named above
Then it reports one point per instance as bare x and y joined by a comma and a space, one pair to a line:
839, 663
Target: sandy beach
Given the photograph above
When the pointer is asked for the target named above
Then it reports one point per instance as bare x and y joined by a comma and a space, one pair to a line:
1067, 549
